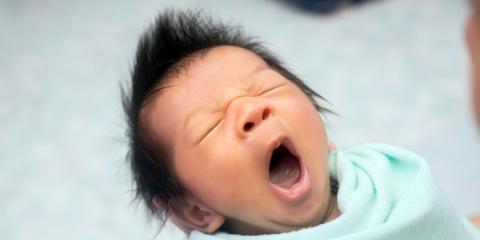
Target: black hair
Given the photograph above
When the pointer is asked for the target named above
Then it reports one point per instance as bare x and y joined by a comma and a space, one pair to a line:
173, 37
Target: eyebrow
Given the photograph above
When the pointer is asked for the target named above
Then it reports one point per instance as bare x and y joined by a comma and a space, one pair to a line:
150, 95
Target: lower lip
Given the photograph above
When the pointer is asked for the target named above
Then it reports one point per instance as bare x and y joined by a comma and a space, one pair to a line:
298, 191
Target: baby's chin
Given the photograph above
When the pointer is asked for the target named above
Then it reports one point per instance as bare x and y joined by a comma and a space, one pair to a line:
326, 210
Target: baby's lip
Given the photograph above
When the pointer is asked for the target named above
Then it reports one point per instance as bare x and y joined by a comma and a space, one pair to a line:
298, 190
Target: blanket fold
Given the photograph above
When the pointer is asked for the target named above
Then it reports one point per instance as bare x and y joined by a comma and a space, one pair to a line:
384, 193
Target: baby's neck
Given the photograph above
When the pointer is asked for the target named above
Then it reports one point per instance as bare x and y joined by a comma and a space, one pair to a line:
235, 227
333, 210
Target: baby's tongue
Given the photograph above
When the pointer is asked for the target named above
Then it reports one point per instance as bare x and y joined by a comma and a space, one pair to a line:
285, 170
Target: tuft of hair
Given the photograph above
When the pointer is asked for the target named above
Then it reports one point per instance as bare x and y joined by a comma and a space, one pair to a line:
174, 36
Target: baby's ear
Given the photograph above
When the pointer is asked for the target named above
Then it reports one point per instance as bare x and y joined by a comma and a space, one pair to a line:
194, 215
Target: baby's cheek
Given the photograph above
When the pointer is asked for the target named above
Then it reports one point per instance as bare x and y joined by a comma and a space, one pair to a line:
226, 182
304, 115
232, 196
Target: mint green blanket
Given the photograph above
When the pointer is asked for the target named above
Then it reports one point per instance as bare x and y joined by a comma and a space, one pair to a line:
384, 193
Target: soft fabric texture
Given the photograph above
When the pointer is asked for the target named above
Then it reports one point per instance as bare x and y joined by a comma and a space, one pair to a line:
384, 193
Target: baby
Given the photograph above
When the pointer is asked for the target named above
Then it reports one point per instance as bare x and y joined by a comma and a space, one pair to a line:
230, 144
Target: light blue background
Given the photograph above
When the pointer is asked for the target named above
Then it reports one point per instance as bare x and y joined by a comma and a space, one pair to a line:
395, 70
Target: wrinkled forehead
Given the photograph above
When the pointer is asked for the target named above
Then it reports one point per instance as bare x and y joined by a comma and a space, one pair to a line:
211, 76
222, 64
201, 82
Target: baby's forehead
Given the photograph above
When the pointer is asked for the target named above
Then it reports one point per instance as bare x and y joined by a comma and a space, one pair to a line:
218, 68
209, 72
228, 61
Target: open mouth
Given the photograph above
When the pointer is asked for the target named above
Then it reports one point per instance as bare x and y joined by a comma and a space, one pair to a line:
288, 176
285, 169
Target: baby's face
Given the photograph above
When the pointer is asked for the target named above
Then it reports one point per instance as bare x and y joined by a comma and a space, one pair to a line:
246, 142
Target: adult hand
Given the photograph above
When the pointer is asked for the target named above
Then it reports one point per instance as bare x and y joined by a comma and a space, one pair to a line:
472, 35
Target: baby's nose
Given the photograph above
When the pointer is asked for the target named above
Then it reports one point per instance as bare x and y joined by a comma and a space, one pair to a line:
251, 112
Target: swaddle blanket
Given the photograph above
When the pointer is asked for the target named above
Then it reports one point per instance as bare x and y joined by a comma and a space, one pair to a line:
384, 193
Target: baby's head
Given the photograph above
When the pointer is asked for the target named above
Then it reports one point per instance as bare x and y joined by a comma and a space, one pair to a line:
222, 136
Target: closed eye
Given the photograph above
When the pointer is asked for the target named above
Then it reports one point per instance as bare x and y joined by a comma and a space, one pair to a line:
209, 130
271, 89
213, 126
